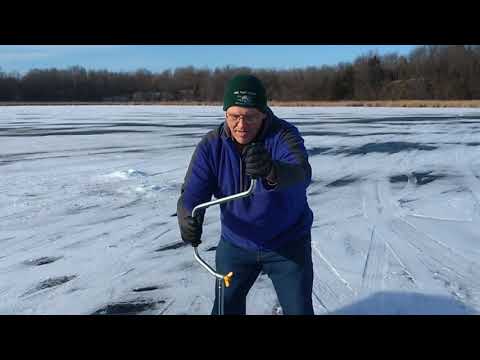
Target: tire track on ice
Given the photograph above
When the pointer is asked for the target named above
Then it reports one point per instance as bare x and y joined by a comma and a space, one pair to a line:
374, 271
330, 289
460, 276
418, 252
392, 243
411, 258
376, 210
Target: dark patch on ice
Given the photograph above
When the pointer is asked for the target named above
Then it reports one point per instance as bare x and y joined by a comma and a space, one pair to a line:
194, 126
22, 154
127, 272
103, 148
319, 114
49, 283
398, 178
104, 221
317, 150
324, 133
190, 135
74, 121
409, 119
72, 290
320, 122
216, 117
314, 187
173, 215
28, 116
191, 125
131, 173
134, 124
120, 152
132, 307
146, 288
183, 147
342, 182
423, 178
458, 189
8, 238
79, 209
289, 118
161, 234
141, 115
17, 129
47, 157
62, 128
407, 276
404, 201
88, 132
213, 248
174, 246
457, 143
390, 147
464, 122
317, 192
380, 133
25, 122
42, 260
96, 148
308, 123
13, 160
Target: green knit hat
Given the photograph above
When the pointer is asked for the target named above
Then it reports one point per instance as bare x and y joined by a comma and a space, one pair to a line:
245, 91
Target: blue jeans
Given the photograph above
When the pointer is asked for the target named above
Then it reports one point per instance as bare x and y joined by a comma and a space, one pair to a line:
290, 269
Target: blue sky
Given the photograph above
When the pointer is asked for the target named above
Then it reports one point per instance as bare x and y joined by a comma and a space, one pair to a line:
157, 58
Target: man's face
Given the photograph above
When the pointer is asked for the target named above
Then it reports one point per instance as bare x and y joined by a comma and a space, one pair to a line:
244, 123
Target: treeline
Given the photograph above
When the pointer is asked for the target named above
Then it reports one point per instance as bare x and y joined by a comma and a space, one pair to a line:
438, 72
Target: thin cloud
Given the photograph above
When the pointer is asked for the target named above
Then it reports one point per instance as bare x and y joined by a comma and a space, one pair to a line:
25, 57
24, 52
22, 56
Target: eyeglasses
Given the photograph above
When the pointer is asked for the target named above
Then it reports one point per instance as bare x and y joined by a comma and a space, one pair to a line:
249, 119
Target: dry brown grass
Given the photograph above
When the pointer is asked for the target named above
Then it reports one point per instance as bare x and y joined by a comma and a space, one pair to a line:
379, 103
50, 103
384, 103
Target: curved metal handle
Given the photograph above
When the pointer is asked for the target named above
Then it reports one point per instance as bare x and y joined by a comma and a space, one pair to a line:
225, 199
225, 278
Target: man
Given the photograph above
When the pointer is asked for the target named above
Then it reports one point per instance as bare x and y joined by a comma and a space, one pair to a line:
270, 230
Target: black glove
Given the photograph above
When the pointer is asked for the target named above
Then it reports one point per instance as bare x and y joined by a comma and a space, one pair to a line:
191, 230
258, 162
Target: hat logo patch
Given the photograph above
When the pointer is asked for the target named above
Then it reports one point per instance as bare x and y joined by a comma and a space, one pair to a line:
245, 97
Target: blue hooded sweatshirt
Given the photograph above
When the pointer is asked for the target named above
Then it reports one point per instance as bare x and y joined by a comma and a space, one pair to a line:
271, 216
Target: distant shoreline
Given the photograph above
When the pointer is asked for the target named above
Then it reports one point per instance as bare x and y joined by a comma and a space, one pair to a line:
349, 103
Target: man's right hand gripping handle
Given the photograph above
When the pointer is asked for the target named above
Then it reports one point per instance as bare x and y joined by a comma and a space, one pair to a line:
191, 230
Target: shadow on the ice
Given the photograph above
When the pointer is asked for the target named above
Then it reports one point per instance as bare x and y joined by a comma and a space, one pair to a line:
402, 303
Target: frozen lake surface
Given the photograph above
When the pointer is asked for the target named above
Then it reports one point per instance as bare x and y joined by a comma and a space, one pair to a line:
88, 199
